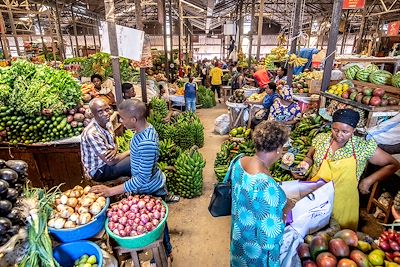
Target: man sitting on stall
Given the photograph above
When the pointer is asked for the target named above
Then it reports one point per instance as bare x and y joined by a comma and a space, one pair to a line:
146, 178
100, 158
128, 92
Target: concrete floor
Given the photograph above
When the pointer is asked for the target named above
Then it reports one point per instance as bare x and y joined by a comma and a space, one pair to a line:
197, 238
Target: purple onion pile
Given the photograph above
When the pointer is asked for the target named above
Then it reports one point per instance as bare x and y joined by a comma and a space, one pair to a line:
135, 215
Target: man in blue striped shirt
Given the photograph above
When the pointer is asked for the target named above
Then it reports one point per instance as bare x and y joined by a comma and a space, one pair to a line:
146, 178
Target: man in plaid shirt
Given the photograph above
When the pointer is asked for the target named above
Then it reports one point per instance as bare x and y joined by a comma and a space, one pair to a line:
98, 148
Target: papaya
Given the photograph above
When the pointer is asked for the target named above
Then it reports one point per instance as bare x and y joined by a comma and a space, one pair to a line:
359, 258
318, 245
348, 236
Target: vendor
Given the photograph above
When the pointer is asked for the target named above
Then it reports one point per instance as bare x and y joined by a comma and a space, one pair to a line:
105, 90
284, 109
266, 102
128, 92
281, 75
261, 77
237, 79
100, 156
146, 178
341, 157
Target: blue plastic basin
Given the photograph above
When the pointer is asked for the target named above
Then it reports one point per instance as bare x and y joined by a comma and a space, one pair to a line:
67, 254
82, 232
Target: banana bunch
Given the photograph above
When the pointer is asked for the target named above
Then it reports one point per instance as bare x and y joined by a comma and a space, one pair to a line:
269, 63
279, 174
169, 152
159, 106
297, 61
170, 175
281, 39
280, 53
124, 141
257, 97
306, 127
189, 130
189, 173
156, 120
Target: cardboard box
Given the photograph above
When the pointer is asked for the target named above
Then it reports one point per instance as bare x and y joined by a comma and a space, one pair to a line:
314, 86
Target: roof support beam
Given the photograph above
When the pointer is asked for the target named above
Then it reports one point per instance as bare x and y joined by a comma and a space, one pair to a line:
210, 8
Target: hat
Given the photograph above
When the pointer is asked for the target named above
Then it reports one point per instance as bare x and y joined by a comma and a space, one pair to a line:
346, 116
286, 93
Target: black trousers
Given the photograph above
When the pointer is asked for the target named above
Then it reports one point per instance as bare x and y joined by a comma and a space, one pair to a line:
109, 173
216, 89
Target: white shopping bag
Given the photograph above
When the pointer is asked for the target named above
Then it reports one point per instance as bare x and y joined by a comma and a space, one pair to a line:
312, 212
291, 240
296, 190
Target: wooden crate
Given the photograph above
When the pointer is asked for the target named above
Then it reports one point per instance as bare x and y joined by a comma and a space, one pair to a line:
49, 165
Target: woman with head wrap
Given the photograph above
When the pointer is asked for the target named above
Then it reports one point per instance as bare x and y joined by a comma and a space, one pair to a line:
341, 157
284, 109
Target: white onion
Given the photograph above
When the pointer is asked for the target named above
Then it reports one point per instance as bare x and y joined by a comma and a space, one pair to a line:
67, 212
84, 218
63, 199
59, 223
87, 201
95, 208
72, 202
74, 217
69, 224
86, 189
51, 223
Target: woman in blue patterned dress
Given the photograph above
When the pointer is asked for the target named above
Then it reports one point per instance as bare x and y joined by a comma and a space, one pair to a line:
258, 202
284, 109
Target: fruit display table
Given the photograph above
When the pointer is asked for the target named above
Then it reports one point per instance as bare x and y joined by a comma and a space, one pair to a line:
375, 60
374, 113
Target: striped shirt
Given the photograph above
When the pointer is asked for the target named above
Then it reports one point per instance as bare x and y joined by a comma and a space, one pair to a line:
147, 178
95, 141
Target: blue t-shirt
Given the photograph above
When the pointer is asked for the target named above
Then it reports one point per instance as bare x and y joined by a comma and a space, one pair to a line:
269, 100
146, 178
190, 90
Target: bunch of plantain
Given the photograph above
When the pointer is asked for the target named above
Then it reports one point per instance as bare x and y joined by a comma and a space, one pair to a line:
170, 175
189, 130
159, 106
296, 61
156, 120
169, 152
189, 173
124, 141
279, 174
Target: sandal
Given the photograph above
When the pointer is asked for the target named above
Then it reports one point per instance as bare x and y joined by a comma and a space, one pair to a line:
172, 198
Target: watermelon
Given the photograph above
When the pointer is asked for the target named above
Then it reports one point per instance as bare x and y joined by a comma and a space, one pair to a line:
381, 77
396, 80
363, 75
372, 67
351, 72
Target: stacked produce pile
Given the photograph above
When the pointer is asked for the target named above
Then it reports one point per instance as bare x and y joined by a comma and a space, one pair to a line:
237, 97
124, 141
158, 63
100, 63
86, 261
343, 248
75, 207
396, 80
389, 242
257, 97
206, 97
300, 82
37, 103
135, 215
373, 75
13, 175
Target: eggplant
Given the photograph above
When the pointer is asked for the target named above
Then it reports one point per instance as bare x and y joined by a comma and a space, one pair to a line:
14, 230
19, 187
8, 175
2, 163
5, 207
3, 186
19, 166
12, 194
15, 215
5, 225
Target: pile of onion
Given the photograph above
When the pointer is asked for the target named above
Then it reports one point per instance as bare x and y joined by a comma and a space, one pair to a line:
135, 215
75, 207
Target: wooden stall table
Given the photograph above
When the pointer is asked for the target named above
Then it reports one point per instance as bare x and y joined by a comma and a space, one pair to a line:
237, 113
226, 92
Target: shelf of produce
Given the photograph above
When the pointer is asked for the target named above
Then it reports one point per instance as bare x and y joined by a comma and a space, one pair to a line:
384, 60
388, 88
49, 165
373, 112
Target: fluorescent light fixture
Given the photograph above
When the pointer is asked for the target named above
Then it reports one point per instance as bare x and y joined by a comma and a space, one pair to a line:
24, 19
192, 5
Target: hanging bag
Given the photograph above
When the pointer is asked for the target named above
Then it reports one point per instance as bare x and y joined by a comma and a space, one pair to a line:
221, 200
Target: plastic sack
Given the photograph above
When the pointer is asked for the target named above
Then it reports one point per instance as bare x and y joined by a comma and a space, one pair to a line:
296, 190
312, 212
222, 124
337, 75
387, 132
291, 240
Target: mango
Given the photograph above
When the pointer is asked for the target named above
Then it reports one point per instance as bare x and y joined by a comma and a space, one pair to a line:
375, 258
364, 246
359, 258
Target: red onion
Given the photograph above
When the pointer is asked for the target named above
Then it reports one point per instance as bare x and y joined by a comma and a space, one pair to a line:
137, 215
144, 218
162, 214
142, 211
146, 198
162, 209
142, 223
130, 215
136, 220
157, 215
115, 218
155, 222
141, 204
120, 205
149, 226
158, 207
120, 227
130, 203
125, 208
116, 231
124, 201
151, 216
130, 222
114, 208
158, 201
134, 226
149, 206
135, 199
133, 233
130, 197
123, 220
111, 226
134, 209
109, 214
128, 228
122, 233
120, 213
140, 229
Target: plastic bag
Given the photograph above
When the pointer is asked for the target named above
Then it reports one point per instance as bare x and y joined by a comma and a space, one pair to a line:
387, 132
222, 124
296, 190
312, 212
291, 240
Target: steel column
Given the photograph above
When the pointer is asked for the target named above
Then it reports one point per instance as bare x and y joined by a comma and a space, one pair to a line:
165, 39
253, 10
60, 35
259, 31
75, 32
295, 32
14, 30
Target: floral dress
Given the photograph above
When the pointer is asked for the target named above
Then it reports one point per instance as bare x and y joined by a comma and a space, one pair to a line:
281, 113
257, 226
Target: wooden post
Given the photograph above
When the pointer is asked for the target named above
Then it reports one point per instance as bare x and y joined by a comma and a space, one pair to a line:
344, 35
295, 33
171, 35
259, 31
139, 25
165, 38
253, 10
6, 51
333, 34
84, 39
240, 21
53, 45
180, 29
94, 40
75, 32
361, 32
112, 37
13, 29
98, 31
60, 35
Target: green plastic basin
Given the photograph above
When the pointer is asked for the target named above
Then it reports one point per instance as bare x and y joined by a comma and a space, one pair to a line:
141, 241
